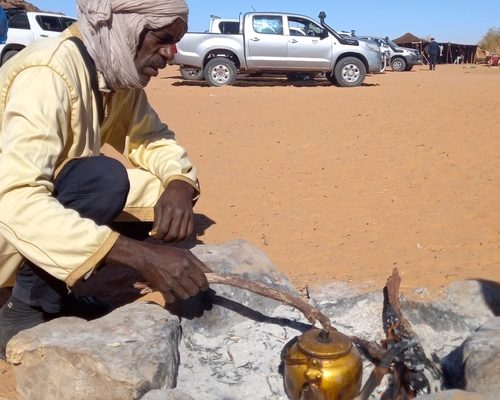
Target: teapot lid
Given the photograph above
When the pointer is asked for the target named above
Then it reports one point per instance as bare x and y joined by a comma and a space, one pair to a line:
322, 343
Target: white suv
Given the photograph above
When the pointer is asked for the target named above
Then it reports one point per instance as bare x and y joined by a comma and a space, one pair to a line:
399, 58
26, 27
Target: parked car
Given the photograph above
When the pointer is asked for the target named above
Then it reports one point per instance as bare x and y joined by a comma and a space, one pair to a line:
271, 42
399, 58
26, 27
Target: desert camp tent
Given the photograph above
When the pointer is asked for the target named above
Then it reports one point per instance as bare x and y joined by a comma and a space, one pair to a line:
449, 51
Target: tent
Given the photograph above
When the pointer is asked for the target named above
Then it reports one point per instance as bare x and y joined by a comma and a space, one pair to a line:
449, 51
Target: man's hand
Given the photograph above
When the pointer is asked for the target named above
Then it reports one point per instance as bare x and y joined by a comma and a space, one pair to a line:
173, 271
174, 212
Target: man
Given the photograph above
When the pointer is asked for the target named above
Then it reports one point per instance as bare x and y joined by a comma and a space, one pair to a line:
61, 100
433, 51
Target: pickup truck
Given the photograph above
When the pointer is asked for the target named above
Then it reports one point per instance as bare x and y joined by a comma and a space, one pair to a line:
26, 27
399, 58
278, 43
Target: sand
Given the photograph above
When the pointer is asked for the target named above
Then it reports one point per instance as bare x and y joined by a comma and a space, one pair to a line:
347, 183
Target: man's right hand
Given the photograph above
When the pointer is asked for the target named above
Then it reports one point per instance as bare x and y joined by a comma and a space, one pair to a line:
173, 271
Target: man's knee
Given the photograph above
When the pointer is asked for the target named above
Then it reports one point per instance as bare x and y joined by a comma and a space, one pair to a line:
96, 187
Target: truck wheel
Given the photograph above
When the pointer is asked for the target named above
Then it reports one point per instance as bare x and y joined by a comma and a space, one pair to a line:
191, 73
331, 77
349, 72
8, 55
220, 71
398, 64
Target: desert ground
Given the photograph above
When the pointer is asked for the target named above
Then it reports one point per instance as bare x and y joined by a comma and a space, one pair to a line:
347, 183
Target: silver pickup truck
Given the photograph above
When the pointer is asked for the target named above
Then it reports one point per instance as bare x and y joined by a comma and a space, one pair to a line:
277, 42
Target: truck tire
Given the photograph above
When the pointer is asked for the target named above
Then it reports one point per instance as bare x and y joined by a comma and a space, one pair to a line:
349, 72
220, 71
8, 55
191, 73
398, 64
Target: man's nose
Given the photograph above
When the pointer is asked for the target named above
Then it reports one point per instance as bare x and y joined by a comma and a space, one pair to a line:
168, 51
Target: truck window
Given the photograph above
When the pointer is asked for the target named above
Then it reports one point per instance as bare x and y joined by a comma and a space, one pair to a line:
19, 21
305, 26
229, 27
268, 24
296, 31
49, 23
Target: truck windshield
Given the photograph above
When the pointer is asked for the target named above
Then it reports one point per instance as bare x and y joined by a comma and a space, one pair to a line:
391, 44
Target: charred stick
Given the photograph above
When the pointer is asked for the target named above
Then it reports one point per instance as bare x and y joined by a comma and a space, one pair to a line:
310, 312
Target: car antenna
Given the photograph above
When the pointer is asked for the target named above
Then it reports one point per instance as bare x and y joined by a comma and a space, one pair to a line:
254, 10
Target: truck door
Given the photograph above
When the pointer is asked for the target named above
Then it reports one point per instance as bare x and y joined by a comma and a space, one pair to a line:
306, 50
266, 46
19, 31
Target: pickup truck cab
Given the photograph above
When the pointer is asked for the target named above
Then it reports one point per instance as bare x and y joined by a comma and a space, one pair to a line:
26, 27
279, 42
399, 58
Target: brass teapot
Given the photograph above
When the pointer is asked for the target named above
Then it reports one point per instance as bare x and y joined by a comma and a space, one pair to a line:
322, 365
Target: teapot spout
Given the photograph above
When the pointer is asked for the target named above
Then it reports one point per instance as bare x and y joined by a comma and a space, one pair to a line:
312, 392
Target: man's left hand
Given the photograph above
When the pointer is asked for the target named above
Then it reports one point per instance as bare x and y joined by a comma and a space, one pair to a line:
174, 212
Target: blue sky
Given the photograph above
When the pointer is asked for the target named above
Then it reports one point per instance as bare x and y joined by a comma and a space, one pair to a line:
458, 21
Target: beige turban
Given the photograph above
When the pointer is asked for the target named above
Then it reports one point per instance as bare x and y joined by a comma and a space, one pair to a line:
111, 30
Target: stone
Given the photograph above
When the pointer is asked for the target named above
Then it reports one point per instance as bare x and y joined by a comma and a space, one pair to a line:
228, 305
234, 350
441, 326
166, 394
481, 358
233, 341
123, 355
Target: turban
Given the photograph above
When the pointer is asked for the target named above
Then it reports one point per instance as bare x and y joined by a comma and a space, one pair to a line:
111, 30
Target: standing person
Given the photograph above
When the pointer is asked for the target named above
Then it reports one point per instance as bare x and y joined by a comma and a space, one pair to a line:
3, 26
62, 99
433, 51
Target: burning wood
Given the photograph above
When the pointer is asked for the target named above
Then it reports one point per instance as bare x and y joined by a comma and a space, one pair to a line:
412, 372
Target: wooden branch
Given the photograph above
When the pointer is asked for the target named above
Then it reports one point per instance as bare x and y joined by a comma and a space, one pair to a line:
310, 312
378, 373
400, 335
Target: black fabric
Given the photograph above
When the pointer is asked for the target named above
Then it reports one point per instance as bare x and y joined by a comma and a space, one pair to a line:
96, 187
93, 75
16, 316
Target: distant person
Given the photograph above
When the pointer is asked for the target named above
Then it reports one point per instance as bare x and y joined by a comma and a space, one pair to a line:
3, 26
433, 51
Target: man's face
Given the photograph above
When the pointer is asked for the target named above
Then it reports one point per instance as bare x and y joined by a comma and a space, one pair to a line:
156, 48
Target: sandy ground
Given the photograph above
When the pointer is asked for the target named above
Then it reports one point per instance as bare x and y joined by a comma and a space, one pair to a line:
347, 184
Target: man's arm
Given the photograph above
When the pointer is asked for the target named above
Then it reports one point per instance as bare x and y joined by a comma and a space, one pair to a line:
34, 135
174, 272
152, 146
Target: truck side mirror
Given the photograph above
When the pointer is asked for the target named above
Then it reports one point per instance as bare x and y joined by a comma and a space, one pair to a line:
324, 34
